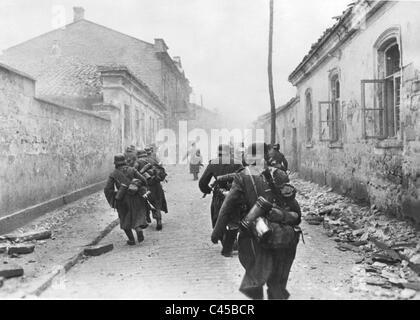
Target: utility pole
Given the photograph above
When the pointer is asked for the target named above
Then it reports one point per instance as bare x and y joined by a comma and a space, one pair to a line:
270, 77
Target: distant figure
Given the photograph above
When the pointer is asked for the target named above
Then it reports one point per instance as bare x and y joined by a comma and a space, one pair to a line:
196, 161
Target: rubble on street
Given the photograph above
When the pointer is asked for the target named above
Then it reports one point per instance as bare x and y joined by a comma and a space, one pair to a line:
389, 249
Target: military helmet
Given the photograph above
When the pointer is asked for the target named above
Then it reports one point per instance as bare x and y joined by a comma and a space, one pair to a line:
141, 153
119, 159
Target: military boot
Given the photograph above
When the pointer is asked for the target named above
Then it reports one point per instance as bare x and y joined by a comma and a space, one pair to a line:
140, 236
131, 241
228, 241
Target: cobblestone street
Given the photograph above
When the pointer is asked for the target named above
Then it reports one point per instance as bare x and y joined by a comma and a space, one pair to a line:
180, 262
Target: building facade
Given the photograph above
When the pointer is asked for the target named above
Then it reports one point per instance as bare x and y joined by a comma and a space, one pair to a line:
286, 131
358, 116
66, 63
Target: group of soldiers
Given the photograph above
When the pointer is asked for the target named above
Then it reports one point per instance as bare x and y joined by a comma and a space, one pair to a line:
134, 189
254, 211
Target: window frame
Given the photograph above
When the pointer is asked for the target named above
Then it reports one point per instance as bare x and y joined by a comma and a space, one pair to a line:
309, 115
392, 131
320, 104
335, 130
364, 109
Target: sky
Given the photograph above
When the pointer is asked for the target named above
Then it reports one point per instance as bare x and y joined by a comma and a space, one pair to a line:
223, 44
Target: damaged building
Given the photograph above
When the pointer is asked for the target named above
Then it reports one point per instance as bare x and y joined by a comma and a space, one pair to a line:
356, 126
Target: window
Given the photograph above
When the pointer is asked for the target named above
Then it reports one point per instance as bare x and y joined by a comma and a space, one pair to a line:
137, 125
284, 140
329, 112
150, 130
309, 116
127, 126
381, 97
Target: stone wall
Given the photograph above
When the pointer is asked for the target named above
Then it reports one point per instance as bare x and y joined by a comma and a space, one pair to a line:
47, 150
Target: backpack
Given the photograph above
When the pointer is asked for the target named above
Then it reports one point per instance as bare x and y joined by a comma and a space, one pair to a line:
160, 173
282, 236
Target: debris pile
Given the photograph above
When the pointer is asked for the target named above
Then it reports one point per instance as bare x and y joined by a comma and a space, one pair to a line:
389, 249
15, 245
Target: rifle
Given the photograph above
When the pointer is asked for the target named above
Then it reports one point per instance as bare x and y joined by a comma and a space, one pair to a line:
224, 179
149, 204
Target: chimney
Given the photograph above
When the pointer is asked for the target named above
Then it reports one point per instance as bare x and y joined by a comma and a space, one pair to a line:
177, 61
78, 13
160, 45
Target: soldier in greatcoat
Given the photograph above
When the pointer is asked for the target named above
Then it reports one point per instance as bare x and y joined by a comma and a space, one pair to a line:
265, 262
225, 163
124, 191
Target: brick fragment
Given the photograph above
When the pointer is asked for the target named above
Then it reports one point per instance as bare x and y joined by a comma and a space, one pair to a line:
10, 270
98, 250
3, 248
21, 249
35, 235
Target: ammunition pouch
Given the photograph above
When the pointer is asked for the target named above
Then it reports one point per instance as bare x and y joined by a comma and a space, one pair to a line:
282, 236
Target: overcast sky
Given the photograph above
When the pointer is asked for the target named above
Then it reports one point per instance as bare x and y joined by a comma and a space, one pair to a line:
222, 43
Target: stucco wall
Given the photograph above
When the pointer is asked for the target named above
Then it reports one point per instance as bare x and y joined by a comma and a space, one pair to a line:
368, 169
121, 91
47, 150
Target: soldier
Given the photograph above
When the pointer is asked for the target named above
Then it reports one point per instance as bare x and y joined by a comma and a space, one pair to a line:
128, 200
223, 164
266, 260
157, 195
130, 155
277, 158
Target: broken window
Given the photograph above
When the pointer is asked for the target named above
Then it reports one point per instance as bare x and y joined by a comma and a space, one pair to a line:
309, 116
373, 112
335, 108
325, 120
381, 97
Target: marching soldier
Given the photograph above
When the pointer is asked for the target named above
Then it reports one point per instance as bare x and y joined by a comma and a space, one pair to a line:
156, 174
266, 249
128, 200
278, 158
222, 165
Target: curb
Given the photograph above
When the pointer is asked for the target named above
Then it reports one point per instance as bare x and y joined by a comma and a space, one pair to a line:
20, 218
70, 263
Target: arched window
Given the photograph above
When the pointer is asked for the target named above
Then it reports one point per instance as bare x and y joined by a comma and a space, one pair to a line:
382, 111
329, 111
335, 107
309, 115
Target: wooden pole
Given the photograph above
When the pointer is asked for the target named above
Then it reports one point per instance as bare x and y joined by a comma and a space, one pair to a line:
270, 77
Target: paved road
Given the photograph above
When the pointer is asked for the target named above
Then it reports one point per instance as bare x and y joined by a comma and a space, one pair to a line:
180, 262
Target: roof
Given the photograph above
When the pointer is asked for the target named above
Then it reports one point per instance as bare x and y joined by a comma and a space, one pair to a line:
282, 108
22, 74
325, 36
65, 61
141, 84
